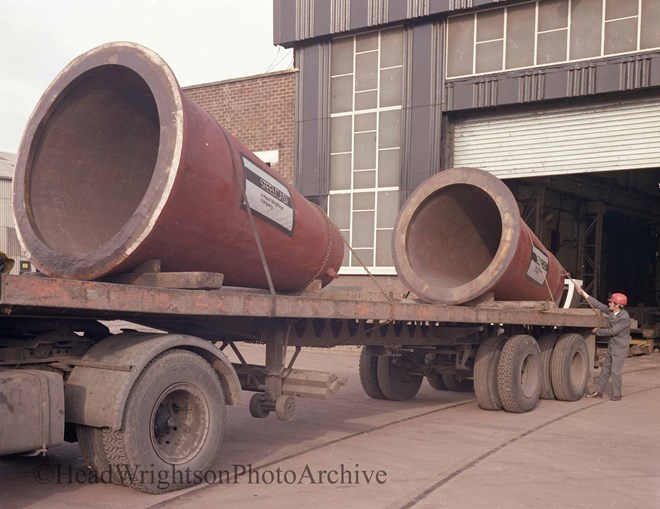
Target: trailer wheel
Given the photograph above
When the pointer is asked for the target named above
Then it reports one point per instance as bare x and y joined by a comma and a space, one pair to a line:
519, 374
570, 367
435, 380
546, 345
397, 382
455, 382
174, 421
257, 408
485, 373
368, 369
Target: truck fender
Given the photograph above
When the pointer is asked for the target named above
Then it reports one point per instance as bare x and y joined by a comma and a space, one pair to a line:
99, 385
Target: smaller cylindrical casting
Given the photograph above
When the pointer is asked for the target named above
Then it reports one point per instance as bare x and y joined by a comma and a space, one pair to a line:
118, 166
460, 236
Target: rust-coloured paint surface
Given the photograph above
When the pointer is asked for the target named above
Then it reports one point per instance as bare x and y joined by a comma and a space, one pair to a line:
118, 167
460, 236
33, 296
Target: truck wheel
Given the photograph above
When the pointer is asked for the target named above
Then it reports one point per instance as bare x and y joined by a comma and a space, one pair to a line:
174, 420
546, 345
396, 382
435, 380
455, 382
570, 367
519, 374
369, 373
485, 373
90, 441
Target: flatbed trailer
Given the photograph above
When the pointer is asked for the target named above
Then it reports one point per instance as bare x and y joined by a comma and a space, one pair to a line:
146, 398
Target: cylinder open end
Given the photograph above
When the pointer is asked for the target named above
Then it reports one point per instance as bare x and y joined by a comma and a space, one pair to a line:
94, 160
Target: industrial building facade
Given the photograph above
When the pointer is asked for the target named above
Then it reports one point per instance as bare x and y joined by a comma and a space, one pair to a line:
560, 98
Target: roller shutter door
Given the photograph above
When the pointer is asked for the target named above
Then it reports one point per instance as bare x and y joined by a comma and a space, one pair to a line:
604, 137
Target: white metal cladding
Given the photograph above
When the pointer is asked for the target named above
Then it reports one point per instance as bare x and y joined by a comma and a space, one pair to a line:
6, 212
604, 137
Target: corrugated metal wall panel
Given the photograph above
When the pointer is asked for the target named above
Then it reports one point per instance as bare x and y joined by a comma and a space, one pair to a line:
6, 212
607, 137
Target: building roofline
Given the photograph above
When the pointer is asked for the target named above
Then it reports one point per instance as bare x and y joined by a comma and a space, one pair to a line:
244, 78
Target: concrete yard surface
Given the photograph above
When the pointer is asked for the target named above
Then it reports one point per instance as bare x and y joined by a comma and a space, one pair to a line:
438, 450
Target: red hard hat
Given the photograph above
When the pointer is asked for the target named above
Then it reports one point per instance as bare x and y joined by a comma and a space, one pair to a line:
619, 298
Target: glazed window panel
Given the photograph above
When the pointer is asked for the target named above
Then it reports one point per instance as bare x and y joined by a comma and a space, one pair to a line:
553, 15
339, 210
460, 45
391, 51
551, 47
586, 28
364, 179
490, 25
366, 71
620, 36
341, 59
365, 151
388, 208
340, 171
363, 229
391, 87
366, 42
389, 168
650, 21
521, 34
389, 132
364, 201
366, 255
342, 94
341, 132
489, 56
366, 100
365, 122
384, 248
615, 9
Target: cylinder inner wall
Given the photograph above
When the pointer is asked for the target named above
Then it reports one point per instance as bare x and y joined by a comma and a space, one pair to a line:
94, 156
453, 236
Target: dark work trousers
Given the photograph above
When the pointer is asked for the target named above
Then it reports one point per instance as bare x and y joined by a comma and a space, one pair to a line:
612, 367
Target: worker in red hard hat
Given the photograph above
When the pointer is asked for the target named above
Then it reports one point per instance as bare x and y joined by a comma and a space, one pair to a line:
617, 348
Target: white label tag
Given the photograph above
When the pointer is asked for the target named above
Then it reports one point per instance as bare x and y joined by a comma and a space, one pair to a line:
267, 197
538, 266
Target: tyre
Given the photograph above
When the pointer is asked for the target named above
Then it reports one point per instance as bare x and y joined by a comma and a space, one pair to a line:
435, 380
485, 373
395, 381
90, 441
546, 345
369, 373
519, 374
570, 367
174, 422
455, 382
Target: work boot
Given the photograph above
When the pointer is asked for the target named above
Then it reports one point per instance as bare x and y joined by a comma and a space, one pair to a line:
594, 394
615, 398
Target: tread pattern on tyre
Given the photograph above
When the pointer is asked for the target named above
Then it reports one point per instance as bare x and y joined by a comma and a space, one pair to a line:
368, 370
122, 471
485, 373
90, 441
546, 345
514, 351
394, 383
567, 389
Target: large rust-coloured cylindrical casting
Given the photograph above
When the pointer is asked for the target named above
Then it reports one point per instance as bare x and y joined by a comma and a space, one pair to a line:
460, 236
117, 166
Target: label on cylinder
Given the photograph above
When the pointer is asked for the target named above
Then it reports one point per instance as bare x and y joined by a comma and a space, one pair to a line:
267, 197
538, 266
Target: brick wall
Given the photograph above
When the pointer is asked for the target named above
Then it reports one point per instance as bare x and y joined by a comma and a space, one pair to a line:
258, 110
